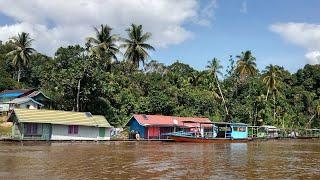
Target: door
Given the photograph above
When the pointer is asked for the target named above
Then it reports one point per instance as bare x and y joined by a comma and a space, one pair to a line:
46, 131
102, 132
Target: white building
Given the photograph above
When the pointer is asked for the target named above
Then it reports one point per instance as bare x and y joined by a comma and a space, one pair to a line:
24, 102
38, 124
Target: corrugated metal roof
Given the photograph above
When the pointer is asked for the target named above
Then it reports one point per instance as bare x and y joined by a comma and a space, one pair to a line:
33, 94
13, 93
23, 100
59, 117
160, 120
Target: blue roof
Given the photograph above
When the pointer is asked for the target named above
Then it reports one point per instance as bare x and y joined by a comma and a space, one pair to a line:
11, 94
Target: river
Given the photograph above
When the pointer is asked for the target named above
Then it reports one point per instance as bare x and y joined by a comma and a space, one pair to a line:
275, 159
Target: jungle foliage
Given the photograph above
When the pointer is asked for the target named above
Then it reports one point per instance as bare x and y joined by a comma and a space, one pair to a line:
93, 78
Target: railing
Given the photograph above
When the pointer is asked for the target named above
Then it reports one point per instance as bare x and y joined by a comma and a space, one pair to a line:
210, 134
182, 133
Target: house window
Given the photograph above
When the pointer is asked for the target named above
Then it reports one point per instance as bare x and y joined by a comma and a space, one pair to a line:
73, 129
32, 129
239, 129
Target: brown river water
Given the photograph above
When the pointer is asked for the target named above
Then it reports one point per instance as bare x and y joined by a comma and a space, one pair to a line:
273, 159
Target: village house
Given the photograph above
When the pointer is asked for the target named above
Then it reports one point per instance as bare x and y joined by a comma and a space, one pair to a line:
29, 99
39, 124
157, 126
24, 102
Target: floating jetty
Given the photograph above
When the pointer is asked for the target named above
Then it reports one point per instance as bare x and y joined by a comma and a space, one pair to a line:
271, 132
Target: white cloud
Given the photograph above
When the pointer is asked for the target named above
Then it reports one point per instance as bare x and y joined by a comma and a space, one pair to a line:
58, 23
313, 57
304, 35
206, 13
244, 8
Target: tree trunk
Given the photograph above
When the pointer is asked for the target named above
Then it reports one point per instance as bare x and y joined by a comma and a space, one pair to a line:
274, 108
78, 95
255, 116
267, 94
19, 73
224, 101
309, 122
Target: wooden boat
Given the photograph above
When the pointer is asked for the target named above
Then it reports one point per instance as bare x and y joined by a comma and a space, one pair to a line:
215, 132
206, 140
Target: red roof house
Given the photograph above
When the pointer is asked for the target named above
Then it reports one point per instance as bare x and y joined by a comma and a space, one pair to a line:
156, 126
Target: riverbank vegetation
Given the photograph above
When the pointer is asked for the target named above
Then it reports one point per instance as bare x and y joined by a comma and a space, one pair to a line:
116, 77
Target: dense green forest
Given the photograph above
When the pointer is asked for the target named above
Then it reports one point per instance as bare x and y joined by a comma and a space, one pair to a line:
116, 77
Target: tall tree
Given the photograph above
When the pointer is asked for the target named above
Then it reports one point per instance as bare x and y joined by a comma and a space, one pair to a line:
136, 46
104, 43
22, 51
316, 114
246, 65
271, 78
215, 69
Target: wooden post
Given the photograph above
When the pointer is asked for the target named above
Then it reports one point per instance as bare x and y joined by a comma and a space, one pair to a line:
225, 132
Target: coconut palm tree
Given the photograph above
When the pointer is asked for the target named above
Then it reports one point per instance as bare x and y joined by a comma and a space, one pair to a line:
104, 43
22, 51
246, 65
214, 68
136, 46
271, 78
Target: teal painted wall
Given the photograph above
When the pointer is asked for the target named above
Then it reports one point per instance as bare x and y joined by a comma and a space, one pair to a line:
238, 134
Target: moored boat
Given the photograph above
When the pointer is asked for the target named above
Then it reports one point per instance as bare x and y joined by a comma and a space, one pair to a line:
215, 132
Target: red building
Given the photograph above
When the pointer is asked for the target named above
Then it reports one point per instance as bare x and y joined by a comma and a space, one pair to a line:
156, 126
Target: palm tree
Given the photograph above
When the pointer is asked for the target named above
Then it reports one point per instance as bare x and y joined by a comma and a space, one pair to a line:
136, 46
22, 51
271, 78
246, 65
104, 43
215, 69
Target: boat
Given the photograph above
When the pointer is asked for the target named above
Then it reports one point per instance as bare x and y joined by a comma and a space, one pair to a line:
264, 132
214, 132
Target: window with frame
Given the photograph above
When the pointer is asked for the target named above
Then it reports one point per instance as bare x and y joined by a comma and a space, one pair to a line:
239, 129
32, 129
73, 129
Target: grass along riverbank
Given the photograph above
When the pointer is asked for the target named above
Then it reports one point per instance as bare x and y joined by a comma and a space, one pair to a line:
5, 127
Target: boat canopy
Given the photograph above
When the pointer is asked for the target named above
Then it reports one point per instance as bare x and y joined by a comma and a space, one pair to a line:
217, 123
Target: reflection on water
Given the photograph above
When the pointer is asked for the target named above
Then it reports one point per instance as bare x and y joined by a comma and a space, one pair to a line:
141, 160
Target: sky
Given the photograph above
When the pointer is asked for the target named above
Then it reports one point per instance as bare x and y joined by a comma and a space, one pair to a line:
286, 32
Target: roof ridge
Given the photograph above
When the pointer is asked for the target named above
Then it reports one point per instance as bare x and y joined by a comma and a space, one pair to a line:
172, 116
59, 117
51, 110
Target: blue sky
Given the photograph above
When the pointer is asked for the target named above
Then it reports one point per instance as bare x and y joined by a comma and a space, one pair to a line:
233, 31
286, 32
